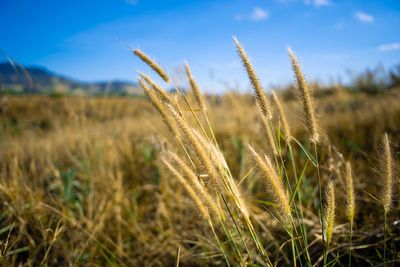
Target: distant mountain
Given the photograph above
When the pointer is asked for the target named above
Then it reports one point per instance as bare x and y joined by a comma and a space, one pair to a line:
16, 79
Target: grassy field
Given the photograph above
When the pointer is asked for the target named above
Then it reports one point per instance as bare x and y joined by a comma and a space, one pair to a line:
111, 181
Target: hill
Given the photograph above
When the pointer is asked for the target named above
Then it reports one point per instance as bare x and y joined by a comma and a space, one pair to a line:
17, 79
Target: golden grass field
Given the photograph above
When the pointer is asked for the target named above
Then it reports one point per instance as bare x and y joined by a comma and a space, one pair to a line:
102, 181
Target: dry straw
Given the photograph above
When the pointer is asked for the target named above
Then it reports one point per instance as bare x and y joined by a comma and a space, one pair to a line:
350, 201
152, 64
329, 212
262, 99
387, 191
195, 88
306, 97
282, 117
274, 184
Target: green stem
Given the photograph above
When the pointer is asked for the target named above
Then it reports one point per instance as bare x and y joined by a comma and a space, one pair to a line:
320, 201
293, 250
384, 238
218, 241
288, 185
351, 242
299, 197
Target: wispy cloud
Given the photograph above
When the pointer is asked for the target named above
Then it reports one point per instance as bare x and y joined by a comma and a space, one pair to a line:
317, 3
389, 47
132, 2
258, 14
364, 17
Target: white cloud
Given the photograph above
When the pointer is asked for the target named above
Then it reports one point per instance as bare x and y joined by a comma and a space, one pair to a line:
364, 17
389, 47
258, 14
317, 2
132, 2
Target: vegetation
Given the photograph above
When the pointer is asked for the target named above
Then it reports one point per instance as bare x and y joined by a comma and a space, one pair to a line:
202, 180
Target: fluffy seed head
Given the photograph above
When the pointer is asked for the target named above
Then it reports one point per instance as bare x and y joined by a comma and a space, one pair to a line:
269, 133
350, 196
227, 180
329, 212
305, 94
262, 99
159, 105
282, 117
191, 192
195, 88
387, 192
274, 184
152, 64
163, 94
196, 147
200, 189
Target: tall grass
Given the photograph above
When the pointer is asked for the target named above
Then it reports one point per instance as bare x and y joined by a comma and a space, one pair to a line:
209, 160
100, 181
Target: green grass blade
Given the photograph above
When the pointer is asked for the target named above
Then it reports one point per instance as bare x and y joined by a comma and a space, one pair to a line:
298, 183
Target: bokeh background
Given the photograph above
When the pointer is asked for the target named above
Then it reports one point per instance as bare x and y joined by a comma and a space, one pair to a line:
91, 40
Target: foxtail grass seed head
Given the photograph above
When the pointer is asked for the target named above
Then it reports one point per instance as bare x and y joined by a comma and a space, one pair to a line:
329, 212
152, 64
191, 192
199, 188
306, 97
282, 117
274, 184
215, 153
226, 181
163, 94
350, 195
196, 147
387, 192
270, 134
261, 98
195, 88
161, 108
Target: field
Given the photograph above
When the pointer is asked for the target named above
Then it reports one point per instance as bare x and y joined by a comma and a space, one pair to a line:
111, 181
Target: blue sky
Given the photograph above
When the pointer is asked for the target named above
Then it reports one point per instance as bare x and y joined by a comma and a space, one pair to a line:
91, 40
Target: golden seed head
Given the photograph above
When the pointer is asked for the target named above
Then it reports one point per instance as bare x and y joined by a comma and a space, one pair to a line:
152, 64
307, 99
198, 187
262, 99
387, 192
350, 201
159, 105
195, 88
329, 212
198, 150
282, 117
270, 135
191, 192
274, 184
160, 91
